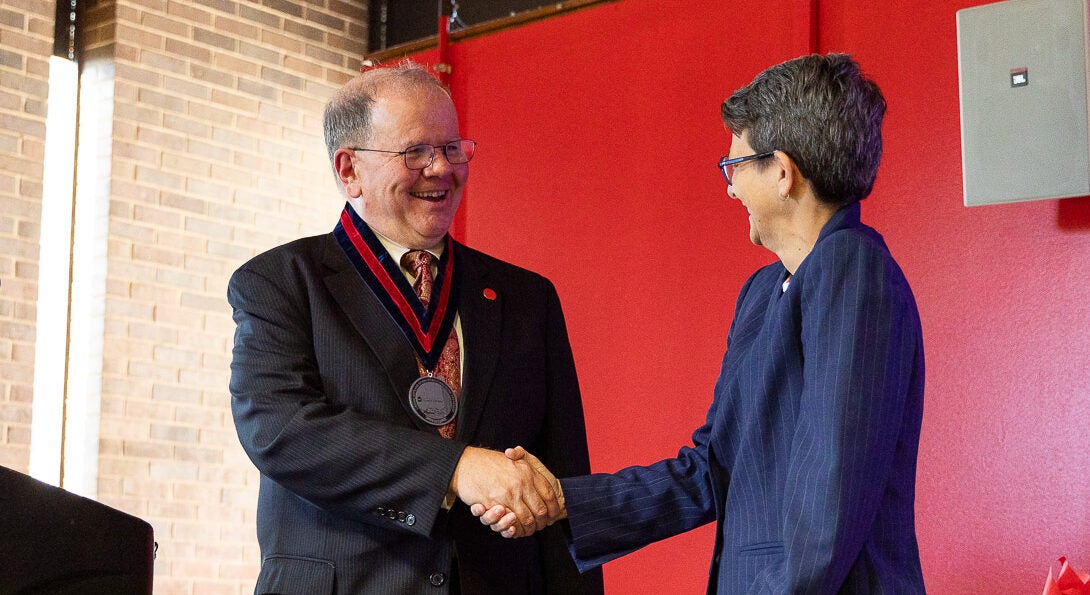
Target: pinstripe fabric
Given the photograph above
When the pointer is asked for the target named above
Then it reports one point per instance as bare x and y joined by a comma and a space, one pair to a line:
351, 480
807, 459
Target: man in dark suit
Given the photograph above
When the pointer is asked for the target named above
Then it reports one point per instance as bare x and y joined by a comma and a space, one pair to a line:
807, 460
367, 360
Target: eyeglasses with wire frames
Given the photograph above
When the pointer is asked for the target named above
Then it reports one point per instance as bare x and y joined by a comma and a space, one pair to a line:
727, 165
421, 156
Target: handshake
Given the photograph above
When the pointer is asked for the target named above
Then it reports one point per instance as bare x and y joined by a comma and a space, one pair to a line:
512, 491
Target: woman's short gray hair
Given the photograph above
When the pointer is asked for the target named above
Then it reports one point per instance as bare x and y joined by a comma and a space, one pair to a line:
824, 113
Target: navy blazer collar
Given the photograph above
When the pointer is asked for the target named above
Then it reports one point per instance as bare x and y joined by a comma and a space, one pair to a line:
847, 217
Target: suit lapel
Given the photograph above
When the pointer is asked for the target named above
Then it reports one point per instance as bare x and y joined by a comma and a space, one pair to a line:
374, 324
480, 308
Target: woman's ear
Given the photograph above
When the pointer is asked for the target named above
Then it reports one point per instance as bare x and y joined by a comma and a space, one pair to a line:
789, 179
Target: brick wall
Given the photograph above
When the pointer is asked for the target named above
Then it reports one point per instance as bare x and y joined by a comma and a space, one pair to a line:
26, 42
212, 153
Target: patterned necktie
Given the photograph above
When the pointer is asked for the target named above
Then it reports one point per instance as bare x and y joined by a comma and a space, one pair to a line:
418, 262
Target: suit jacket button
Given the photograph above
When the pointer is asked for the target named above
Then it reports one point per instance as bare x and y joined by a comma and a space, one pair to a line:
381, 511
391, 514
410, 519
401, 516
437, 579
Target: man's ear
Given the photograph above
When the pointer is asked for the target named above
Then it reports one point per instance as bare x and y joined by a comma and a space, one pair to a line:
346, 171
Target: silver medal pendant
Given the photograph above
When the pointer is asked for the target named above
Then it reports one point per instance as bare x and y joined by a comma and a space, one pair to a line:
433, 401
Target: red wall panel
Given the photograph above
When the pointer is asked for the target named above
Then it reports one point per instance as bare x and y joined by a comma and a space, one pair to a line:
599, 132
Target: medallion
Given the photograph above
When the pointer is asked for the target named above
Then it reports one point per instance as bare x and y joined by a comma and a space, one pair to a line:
433, 401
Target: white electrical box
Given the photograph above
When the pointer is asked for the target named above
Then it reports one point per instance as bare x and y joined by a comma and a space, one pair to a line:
1023, 77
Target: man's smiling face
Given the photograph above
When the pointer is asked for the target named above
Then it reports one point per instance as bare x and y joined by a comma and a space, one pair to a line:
414, 208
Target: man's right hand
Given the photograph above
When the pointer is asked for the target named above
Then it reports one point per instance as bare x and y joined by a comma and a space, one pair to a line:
502, 519
492, 481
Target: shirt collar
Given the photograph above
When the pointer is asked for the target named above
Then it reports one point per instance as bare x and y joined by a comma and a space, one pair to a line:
396, 251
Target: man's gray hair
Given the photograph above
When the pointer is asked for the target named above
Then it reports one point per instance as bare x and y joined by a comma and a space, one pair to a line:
347, 117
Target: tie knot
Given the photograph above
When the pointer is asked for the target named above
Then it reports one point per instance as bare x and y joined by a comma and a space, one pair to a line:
418, 262
415, 260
